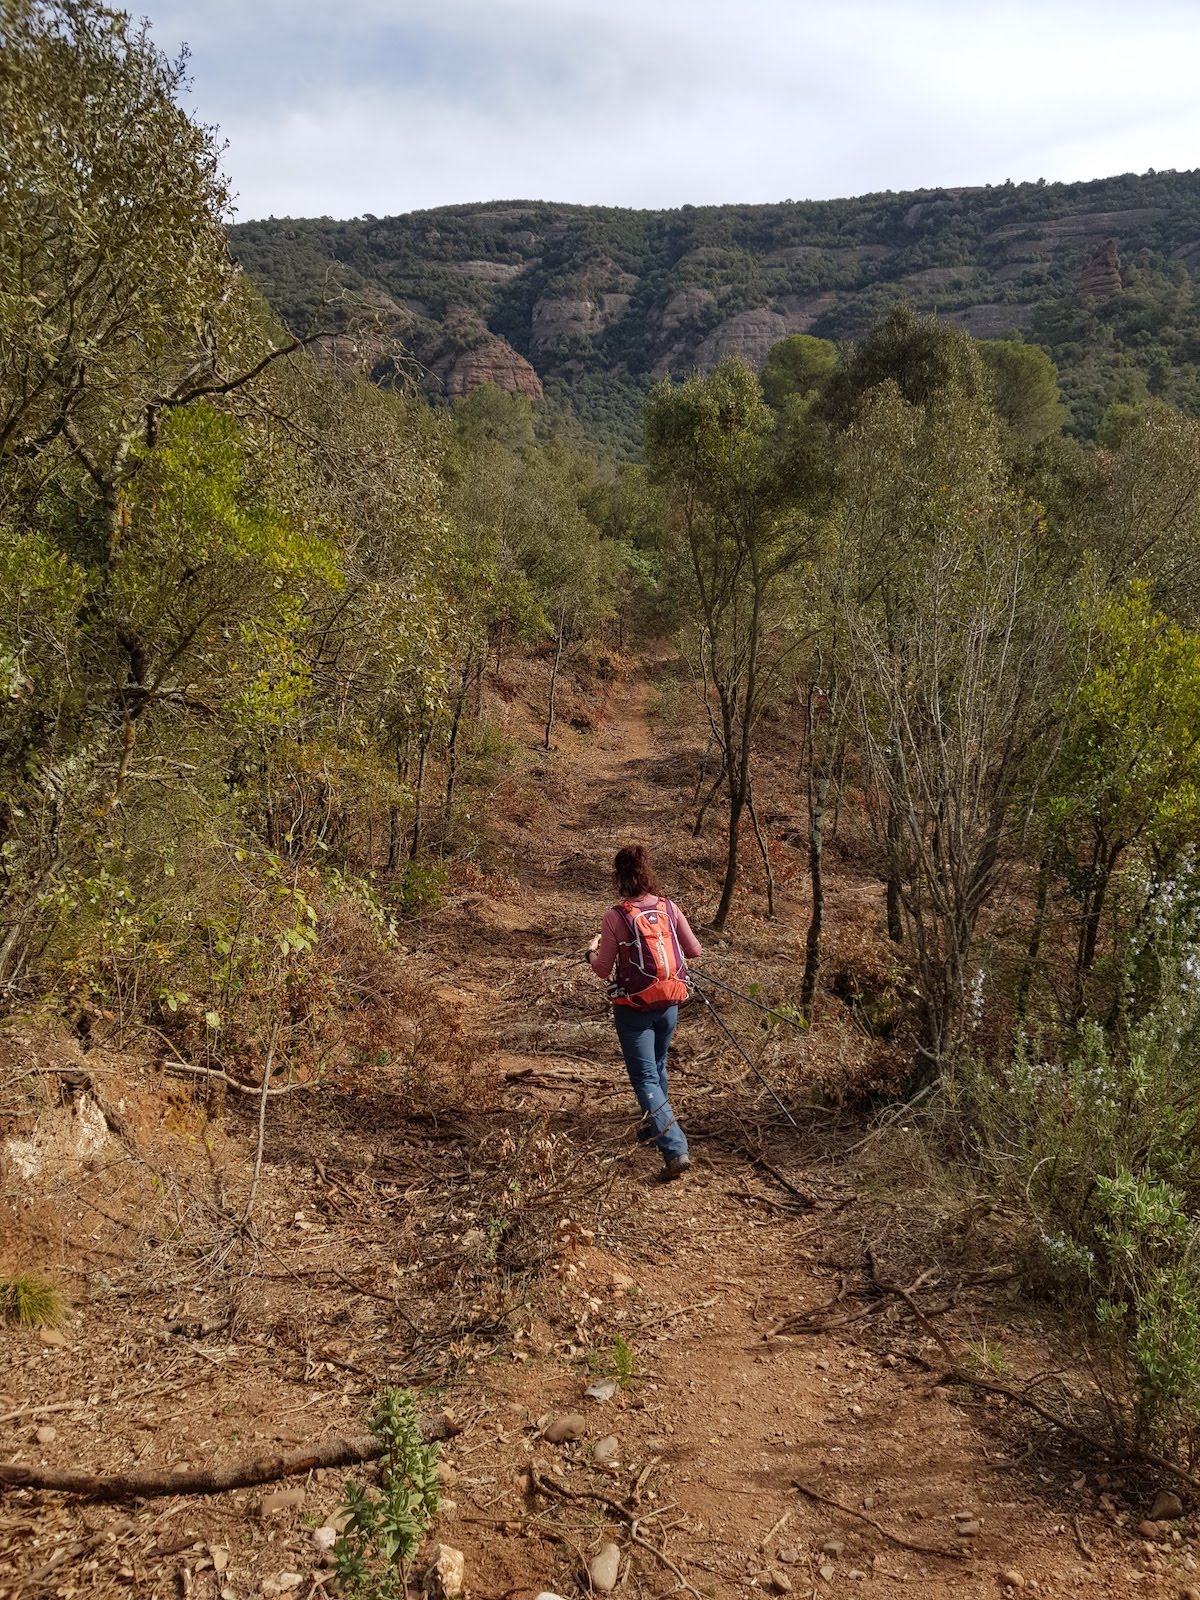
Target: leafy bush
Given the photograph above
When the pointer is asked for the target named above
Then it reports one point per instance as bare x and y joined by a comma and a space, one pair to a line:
1100, 1152
384, 1532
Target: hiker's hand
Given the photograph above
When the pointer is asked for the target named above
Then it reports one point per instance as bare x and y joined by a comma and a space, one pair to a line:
594, 946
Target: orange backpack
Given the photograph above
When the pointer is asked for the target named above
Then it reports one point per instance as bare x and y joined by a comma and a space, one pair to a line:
651, 970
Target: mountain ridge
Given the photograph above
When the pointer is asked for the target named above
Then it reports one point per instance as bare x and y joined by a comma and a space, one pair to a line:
591, 304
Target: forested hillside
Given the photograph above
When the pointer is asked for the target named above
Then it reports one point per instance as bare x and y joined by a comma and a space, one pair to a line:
592, 304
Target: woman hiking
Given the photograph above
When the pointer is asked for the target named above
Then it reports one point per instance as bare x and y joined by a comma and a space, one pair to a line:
642, 948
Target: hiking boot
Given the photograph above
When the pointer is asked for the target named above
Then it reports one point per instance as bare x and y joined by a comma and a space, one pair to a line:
674, 1167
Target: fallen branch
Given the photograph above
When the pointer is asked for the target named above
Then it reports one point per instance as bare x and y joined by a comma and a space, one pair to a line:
186, 1069
205, 1480
661, 1317
946, 1553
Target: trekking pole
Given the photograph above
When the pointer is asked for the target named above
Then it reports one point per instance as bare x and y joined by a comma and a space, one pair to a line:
721, 1024
800, 1027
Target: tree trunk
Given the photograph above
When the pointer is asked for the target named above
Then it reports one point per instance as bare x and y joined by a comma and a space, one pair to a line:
452, 743
1089, 933
1025, 981
763, 852
816, 873
895, 921
422, 748
708, 800
558, 649
737, 801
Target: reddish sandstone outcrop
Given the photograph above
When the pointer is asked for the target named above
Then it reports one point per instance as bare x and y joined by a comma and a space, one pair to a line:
1101, 275
493, 360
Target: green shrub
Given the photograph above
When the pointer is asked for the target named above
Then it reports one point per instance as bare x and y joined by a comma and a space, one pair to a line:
1100, 1153
31, 1302
422, 887
384, 1531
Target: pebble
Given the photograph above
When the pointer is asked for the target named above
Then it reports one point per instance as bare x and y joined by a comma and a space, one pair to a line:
562, 1430
1150, 1530
601, 1392
546, 1595
53, 1338
281, 1583
790, 1556
832, 1546
219, 1556
447, 1572
1167, 1507
968, 1528
1012, 1579
324, 1538
446, 1474
605, 1567
827, 1572
46, 1435
1189, 1594
274, 1505
779, 1581
606, 1449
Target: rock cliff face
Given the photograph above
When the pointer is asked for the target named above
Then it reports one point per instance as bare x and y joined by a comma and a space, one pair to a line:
492, 361
683, 307
1101, 275
555, 318
752, 333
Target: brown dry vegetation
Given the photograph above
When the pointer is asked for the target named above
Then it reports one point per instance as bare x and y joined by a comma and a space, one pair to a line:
456, 1202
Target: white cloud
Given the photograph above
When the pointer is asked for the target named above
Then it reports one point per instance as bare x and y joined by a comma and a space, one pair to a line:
387, 105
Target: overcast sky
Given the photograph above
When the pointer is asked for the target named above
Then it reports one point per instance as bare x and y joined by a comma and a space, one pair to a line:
351, 106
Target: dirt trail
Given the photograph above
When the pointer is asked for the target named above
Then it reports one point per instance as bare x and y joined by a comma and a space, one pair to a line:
722, 1414
697, 1275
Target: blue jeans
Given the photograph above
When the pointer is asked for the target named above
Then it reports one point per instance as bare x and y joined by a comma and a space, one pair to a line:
645, 1037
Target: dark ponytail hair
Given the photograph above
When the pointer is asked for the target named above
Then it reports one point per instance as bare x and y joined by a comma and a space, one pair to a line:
633, 872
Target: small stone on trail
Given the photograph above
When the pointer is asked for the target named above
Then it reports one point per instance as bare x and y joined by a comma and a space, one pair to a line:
446, 1474
219, 1557
52, 1337
561, 1430
46, 1435
447, 1572
546, 1595
1167, 1506
1189, 1594
605, 1567
827, 1572
601, 1392
790, 1556
779, 1581
832, 1546
606, 1449
273, 1505
968, 1528
1150, 1530
1011, 1578
324, 1538
281, 1583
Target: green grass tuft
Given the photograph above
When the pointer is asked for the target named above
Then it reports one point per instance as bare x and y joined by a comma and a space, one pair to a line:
31, 1302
